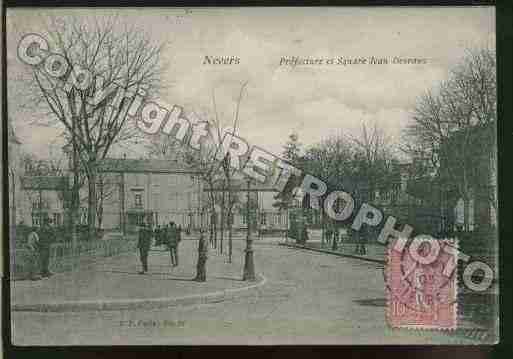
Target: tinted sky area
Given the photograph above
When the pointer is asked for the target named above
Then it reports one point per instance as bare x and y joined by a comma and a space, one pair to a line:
315, 101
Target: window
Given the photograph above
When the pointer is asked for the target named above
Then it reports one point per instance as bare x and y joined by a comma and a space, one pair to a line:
138, 200
35, 219
57, 219
36, 204
263, 219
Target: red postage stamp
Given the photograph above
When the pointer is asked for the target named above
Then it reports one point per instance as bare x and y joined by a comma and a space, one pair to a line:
421, 283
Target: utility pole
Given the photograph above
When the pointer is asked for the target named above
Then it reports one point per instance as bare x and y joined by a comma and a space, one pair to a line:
249, 265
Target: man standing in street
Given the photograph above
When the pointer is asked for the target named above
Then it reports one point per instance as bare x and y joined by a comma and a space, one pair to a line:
46, 238
32, 257
178, 236
156, 234
144, 244
171, 242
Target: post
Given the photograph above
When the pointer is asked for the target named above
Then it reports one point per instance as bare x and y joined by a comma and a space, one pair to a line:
230, 221
223, 204
122, 203
249, 265
286, 232
40, 206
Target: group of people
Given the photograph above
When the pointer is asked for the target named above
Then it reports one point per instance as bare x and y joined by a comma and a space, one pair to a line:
38, 251
169, 235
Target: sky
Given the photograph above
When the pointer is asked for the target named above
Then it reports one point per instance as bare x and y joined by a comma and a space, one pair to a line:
314, 101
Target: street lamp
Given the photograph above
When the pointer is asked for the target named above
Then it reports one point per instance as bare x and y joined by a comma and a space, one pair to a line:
249, 265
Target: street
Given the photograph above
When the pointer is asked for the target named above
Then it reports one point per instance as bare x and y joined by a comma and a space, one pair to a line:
308, 298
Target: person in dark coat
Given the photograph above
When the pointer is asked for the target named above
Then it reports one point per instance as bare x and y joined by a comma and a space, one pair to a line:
144, 244
32, 258
46, 237
171, 241
158, 235
178, 236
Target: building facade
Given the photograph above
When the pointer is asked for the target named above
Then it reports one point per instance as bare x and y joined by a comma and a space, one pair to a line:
136, 191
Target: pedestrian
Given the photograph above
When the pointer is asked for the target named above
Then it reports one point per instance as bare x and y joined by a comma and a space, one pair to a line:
32, 255
178, 234
46, 237
336, 235
144, 244
158, 235
171, 242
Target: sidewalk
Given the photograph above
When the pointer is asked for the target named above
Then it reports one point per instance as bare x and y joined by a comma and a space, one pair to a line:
114, 283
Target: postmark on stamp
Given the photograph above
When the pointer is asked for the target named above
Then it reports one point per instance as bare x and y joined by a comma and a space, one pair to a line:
421, 283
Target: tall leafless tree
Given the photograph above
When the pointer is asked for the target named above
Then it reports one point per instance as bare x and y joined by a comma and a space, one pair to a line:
122, 62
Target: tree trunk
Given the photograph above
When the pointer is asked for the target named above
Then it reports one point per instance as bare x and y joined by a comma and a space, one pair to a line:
230, 221
100, 206
223, 211
211, 231
201, 267
230, 235
91, 204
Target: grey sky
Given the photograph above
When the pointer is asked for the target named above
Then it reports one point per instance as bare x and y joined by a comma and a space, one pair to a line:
314, 101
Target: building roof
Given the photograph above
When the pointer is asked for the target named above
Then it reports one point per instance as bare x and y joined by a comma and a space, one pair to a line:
56, 183
129, 165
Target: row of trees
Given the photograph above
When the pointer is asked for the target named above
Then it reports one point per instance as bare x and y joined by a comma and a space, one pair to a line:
358, 163
453, 125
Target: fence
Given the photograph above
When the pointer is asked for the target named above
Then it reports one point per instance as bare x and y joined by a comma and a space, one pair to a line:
65, 257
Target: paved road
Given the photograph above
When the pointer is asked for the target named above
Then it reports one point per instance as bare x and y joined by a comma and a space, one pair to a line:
308, 298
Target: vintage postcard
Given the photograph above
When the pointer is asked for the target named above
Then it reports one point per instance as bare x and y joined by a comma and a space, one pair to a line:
252, 176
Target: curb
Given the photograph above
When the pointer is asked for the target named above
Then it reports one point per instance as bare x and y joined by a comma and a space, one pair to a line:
298, 246
147, 303
327, 251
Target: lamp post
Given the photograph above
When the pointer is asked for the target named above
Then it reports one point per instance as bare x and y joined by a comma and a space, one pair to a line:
249, 265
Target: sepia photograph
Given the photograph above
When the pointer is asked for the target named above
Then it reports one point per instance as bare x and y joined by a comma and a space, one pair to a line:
252, 176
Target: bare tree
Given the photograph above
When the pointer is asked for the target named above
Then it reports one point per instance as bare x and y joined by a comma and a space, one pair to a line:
122, 62
203, 161
330, 161
372, 158
228, 173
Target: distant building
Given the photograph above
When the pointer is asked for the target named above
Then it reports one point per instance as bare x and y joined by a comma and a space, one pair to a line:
264, 216
137, 191
43, 197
